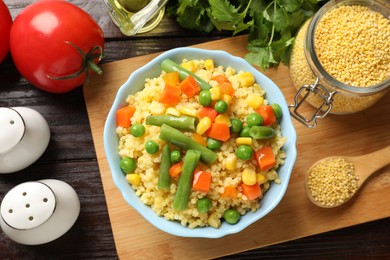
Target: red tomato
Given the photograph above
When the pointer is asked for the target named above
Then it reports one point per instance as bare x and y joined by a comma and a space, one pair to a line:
5, 28
52, 44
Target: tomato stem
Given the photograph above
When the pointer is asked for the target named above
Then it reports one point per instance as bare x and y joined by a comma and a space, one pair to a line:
88, 62
95, 68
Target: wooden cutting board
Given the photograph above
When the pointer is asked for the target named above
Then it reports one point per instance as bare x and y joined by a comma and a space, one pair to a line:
293, 218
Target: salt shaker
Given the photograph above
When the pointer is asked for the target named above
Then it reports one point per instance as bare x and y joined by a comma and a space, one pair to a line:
24, 136
37, 212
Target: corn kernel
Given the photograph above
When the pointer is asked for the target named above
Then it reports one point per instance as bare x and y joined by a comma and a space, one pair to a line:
227, 98
203, 125
254, 100
188, 111
172, 111
209, 64
189, 65
215, 93
249, 176
260, 178
231, 162
133, 179
222, 119
214, 221
246, 79
244, 140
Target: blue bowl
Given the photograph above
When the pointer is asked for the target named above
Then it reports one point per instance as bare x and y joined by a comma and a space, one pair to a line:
136, 82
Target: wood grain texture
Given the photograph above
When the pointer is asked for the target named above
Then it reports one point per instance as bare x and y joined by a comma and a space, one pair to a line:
295, 216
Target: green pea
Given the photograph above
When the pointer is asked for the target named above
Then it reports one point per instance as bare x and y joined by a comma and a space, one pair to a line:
175, 156
151, 147
205, 98
231, 216
221, 106
236, 125
213, 144
277, 110
245, 131
128, 165
204, 205
244, 152
137, 130
254, 119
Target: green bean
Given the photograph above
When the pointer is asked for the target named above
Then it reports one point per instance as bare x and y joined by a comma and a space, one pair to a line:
262, 132
169, 66
178, 122
175, 137
184, 185
164, 179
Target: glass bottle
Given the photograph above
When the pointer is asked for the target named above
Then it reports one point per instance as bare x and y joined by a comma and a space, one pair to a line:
136, 16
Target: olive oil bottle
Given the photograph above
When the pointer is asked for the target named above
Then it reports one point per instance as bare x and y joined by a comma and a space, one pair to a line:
136, 16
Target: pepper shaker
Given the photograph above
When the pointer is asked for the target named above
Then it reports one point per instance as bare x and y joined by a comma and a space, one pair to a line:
24, 136
37, 212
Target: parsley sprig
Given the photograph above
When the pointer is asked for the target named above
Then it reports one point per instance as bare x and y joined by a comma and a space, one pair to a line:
271, 25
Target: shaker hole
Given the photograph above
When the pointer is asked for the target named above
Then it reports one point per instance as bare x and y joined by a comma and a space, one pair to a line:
24, 193
12, 122
31, 218
10, 211
45, 200
27, 205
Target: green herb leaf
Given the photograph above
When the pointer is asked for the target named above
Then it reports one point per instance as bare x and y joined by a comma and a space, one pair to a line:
271, 24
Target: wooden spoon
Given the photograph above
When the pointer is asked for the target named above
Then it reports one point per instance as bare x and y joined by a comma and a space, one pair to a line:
365, 166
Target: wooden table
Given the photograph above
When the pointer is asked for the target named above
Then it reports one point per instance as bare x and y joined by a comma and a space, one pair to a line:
71, 157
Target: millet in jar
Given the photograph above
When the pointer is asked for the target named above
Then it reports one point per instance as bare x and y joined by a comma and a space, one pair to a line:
352, 44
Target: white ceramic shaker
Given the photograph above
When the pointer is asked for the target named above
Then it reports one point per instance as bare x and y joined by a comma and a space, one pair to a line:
24, 136
38, 212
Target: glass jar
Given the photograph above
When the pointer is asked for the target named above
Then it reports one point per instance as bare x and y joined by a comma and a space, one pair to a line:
341, 73
136, 16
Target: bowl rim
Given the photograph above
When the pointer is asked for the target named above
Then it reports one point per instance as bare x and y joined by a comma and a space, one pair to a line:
174, 227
